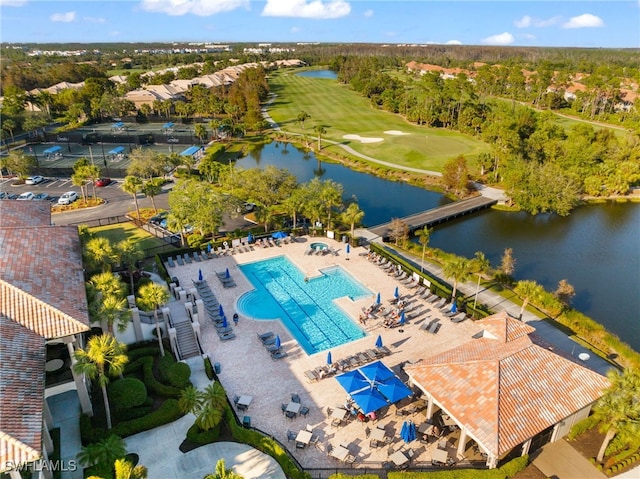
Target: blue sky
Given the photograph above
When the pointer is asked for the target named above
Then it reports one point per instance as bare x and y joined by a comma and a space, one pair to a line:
527, 23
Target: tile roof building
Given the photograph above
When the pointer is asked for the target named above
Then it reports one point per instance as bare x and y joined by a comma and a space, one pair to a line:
42, 298
506, 388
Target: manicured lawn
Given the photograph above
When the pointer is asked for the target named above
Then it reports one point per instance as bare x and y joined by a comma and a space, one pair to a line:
343, 112
122, 231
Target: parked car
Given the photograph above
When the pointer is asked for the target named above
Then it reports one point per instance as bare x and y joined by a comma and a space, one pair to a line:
27, 195
102, 182
68, 198
41, 197
157, 219
34, 180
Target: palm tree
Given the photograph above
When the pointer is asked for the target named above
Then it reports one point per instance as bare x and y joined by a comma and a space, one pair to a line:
99, 253
527, 290
129, 253
222, 472
113, 310
133, 185
481, 266
104, 356
103, 454
207, 405
108, 283
458, 269
151, 189
200, 131
151, 297
302, 117
424, 235
320, 130
619, 409
352, 216
126, 470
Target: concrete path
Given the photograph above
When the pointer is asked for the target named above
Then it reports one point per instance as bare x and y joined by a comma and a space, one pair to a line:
561, 461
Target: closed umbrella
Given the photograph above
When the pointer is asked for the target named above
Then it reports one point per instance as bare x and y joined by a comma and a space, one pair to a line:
209, 248
411, 431
226, 273
250, 238
278, 344
403, 431
224, 322
200, 275
402, 319
379, 341
329, 358
378, 299
220, 311
396, 293
348, 250
454, 307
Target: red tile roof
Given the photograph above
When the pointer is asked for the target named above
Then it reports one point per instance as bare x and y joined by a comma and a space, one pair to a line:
504, 386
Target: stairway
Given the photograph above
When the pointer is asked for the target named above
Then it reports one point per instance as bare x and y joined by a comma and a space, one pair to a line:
186, 339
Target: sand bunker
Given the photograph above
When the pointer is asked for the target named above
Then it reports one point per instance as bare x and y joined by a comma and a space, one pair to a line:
362, 139
395, 132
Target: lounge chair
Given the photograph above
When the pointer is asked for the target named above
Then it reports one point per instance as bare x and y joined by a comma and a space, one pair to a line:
204, 256
187, 258
278, 354
179, 260
458, 318
170, 262
272, 348
311, 375
309, 251
264, 336
229, 284
226, 336
196, 256
269, 341
434, 327
440, 303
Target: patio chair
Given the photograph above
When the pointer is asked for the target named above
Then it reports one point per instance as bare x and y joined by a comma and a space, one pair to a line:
304, 410
291, 435
226, 336
179, 260
187, 258
290, 414
263, 336
196, 256
235, 400
295, 398
170, 262
373, 443
283, 406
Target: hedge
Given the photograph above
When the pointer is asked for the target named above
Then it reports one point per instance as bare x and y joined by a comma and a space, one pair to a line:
509, 469
153, 385
200, 437
168, 412
581, 427
132, 413
127, 393
208, 368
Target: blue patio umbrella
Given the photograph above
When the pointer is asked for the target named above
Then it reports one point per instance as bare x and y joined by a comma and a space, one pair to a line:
208, 247
200, 275
411, 431
348, 248
376, 372
353, 381
403, 431
277, 343
226, 273
379, 341
408, 431
402, 320
396, 293
224, 322
378, 299
369, 400
394, 389
454, 306
250, 238
329, 358
279, 235
220, 311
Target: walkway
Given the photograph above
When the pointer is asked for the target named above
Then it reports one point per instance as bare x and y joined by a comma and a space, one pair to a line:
562, 461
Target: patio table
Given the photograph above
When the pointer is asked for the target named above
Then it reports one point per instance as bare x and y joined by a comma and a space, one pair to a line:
425, 428
447, 420
378, 434
340, 453
304, 437
53, 365
440, 455
338, 413
245, 401
293, 407
399, 458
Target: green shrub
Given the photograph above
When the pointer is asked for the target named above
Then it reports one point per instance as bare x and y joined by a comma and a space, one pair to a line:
153, 384
127, 393
90, 434
208, 368
200, 437
132, 413
141, 282
178, 375
168, 412
134, 354
581, 427
514, 466
164, 363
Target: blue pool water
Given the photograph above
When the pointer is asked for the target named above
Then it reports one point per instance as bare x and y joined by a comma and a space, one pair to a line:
306, 308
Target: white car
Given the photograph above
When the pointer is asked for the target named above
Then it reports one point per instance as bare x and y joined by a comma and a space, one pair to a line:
34, 180
27, 195
68, 198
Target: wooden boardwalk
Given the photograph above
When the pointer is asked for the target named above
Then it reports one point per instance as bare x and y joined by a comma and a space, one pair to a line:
438, 215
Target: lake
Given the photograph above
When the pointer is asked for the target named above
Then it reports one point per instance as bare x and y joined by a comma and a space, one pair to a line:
324, 74
596, 248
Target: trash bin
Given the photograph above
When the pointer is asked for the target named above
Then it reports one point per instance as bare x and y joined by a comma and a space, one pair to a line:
216, 368
175, 280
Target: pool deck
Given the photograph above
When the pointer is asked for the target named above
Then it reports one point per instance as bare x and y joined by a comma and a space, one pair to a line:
247, 368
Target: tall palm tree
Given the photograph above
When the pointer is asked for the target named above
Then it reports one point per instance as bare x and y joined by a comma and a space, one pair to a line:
222, 472
207, 405
619, 409
352, 216
458, 269
424, 235
100, 254
481, 265
103, 454
302, 117
104, 356
133, 185
320, 130
151, 297
129, 253
126, 470
527, 290
114, 311
151, 189
108, 283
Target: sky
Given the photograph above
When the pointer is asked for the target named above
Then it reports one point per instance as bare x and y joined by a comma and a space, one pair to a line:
570, 23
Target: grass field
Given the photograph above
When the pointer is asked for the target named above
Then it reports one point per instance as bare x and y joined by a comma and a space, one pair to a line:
344, 112
123, 231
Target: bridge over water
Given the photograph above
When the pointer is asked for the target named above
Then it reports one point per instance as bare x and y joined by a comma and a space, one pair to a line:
438, 215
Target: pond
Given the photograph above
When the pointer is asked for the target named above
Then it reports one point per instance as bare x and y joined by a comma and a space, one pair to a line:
324, 74
596, 248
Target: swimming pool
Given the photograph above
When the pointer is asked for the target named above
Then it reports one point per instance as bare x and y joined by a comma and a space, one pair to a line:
306, 306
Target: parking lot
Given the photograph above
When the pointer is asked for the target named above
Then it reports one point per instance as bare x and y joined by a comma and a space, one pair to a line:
51, 188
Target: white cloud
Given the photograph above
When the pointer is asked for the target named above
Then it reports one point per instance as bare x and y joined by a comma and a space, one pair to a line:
12, 3
586, 20
454, 42
94, 19
317, 9
369, 13
527, 21
528, 36
500, 39
202, 8
524, 22
63, 17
